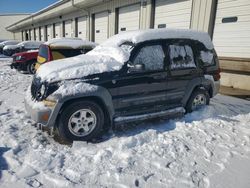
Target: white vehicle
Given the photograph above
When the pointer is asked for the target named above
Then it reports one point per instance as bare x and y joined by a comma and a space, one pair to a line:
9, 50
7, 42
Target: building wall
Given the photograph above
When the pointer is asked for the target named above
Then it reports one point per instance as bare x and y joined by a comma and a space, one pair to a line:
6, 20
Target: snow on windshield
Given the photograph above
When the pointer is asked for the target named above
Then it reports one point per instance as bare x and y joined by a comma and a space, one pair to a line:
77, 67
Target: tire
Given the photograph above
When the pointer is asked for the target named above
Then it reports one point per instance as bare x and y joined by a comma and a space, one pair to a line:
31, 67
198, 96
81, 121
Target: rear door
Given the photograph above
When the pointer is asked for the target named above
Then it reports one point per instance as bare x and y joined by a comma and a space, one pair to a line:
143, 91
182, 70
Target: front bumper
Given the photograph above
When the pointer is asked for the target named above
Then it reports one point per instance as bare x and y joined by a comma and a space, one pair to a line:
38, 111
216, 87
19, 66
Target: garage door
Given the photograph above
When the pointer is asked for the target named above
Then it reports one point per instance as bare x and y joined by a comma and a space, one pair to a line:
129, 18
82, 27
101, 27
49, 32
57, 30
68, 29
232, 28
37, 34
31, 34
173, 14
42, 34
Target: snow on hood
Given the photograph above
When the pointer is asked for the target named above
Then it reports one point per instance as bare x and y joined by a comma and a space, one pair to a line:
77, 67
151, 34
71, 42
10, 47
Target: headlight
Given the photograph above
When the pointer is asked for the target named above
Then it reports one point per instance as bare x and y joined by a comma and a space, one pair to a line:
18, 58
40, 94
43, 90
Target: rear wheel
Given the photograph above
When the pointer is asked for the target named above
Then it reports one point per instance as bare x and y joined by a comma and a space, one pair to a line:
81, 121
31, 67
198, 99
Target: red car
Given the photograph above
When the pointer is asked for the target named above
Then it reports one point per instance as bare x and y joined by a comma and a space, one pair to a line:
25, 61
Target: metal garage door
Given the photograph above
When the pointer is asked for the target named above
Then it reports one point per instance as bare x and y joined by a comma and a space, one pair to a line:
49, 32
57, 30
68, 29
31, 34
37, 37
42, 33
82, 27
129, 18
173, 14
232, 28
101, 27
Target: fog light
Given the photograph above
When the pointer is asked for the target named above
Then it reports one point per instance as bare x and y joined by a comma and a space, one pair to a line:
45, 117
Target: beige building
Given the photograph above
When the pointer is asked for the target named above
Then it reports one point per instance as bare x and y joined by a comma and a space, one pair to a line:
227, 22
6, 20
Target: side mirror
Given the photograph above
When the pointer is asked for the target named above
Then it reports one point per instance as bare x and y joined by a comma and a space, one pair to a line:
136, 68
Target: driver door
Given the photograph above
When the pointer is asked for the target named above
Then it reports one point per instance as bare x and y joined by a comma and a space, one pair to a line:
142, 89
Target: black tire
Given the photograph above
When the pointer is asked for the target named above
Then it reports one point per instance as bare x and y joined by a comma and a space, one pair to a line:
65, 125
197, 92
31, 67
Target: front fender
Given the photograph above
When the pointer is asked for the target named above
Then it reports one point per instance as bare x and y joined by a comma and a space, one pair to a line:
98, 92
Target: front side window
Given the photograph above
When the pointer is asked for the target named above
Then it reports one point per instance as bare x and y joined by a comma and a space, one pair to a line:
181, 57
152, 57
64, 53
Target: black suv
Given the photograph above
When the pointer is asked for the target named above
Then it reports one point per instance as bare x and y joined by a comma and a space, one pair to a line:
131, 77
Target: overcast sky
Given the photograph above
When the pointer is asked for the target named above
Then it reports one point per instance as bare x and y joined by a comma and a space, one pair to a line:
23, 6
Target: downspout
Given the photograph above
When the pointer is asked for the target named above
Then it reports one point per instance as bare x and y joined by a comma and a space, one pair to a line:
85, 10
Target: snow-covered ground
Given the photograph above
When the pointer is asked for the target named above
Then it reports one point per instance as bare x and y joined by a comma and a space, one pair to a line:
209, 148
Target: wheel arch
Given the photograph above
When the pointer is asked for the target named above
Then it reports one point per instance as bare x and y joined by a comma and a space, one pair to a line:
97, 100
194, 85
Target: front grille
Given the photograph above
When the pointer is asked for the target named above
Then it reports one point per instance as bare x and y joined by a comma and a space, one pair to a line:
35, 87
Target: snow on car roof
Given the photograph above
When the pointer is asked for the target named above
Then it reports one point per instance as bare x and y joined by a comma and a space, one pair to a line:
8, 42
30, 44
25, 44
69, 42
154, 34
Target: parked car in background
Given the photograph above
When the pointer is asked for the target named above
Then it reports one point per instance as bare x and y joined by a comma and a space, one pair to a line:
60, 48
7, 42
25, 61
132, 76
9, 50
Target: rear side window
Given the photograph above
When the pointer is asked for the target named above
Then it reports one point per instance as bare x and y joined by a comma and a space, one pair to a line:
68, 52
152, 57
207, 58
44, 52
181, 57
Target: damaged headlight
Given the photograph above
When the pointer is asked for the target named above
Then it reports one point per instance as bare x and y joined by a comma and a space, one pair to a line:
41, 92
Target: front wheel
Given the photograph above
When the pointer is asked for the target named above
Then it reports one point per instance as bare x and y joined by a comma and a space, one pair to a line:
198, 99
31, 68
81, 121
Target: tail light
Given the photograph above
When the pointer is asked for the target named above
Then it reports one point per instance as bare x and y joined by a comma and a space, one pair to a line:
216, 75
